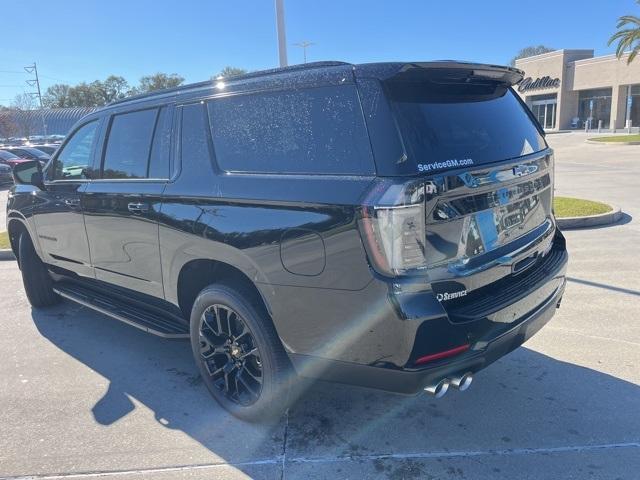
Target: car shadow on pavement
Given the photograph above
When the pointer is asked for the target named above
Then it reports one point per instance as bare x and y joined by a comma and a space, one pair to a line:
527, 400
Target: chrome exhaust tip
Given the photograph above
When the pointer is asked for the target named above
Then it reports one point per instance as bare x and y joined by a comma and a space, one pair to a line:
462, 382
438, 389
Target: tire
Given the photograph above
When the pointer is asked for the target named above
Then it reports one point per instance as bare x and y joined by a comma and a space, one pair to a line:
38, 285
239, 355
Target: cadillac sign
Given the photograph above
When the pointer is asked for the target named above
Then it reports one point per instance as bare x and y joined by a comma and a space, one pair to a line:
539, 83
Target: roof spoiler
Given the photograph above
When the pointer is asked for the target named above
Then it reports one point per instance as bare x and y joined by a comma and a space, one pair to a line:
453, 71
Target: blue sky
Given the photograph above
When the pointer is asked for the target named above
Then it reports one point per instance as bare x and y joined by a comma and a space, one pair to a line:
83, 40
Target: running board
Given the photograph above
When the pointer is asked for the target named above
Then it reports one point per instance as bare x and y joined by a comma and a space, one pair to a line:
144, 319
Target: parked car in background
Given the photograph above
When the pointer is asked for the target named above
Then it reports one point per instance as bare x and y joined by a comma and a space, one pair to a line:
16, 141
48, 149
386, 225
53, 138
11, 159
30, 153
6, 175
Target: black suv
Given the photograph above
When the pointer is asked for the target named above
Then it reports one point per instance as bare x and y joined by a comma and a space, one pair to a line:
387, 225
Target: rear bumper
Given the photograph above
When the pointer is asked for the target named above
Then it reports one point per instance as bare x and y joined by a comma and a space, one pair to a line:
410, 381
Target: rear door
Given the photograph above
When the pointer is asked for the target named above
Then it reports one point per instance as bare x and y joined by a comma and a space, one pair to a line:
121, 207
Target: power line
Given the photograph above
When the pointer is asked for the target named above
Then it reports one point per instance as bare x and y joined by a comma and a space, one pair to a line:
54, 78
43, 76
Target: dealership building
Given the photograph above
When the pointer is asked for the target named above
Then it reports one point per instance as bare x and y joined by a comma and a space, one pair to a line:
572, 89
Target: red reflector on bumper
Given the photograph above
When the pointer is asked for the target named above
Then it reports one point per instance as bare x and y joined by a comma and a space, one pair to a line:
445, 354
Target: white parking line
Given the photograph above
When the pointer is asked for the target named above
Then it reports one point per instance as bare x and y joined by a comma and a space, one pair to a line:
463, 453
334, 459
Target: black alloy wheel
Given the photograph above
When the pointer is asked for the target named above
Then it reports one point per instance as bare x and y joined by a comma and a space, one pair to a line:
230, 354
239, 354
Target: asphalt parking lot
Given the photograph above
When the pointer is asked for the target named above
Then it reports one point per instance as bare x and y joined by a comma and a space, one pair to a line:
83, 396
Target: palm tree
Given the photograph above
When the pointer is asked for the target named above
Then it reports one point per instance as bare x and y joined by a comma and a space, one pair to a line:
627, 38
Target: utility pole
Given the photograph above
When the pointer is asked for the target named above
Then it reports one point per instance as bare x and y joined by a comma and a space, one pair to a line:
282, 36
304, 45
35, 82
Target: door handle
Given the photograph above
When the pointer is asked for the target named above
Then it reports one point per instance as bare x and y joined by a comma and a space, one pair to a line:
72, 202
138, 207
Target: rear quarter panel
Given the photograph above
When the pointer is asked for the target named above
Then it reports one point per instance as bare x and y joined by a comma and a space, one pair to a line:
254, 222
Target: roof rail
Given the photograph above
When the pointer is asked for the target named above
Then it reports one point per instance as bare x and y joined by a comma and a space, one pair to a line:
291, 68
158, 92
259, 73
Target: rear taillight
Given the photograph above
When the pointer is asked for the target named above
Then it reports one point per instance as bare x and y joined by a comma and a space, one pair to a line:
393, 227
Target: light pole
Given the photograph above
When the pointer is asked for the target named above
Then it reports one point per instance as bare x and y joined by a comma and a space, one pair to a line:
282, 37
304, 45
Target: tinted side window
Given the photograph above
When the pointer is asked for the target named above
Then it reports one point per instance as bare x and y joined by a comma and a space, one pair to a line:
129, 144
194, 145
317, 130
161, 148
76, 156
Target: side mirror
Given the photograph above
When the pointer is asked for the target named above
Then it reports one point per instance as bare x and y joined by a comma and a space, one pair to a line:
29, 173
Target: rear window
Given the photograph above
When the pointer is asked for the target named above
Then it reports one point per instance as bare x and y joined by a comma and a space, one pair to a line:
314, 131
446, 126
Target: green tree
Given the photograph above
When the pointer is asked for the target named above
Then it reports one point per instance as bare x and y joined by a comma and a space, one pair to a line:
94, 94
81, 95
158, 81
102, 92
85, 95
56, 96
229, 71
530, 52
113, 88
627, 38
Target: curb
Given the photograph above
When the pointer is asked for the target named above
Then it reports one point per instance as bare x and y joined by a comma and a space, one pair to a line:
590, 221
555, 132
597, 142
7, 254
